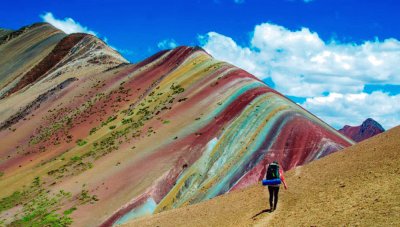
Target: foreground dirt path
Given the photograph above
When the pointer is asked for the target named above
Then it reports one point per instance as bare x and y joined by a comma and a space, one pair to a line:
357, 186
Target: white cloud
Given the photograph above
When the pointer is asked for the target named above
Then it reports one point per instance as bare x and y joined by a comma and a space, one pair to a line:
167, 44
67, 25
301, 64
126, 52
336, 109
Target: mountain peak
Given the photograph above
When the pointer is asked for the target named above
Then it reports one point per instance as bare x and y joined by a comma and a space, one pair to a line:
7, 35
371, 122
59, 53
367, 129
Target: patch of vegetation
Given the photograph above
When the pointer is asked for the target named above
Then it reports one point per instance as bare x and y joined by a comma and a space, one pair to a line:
11, 201
58, 121
77, 166
112, 127
110, 119
126, 121
177, 89
81, 142
135, 118
39, 207
57, 124
84, 197
76, 159
93, 130
69, 211
19, 197
42, 208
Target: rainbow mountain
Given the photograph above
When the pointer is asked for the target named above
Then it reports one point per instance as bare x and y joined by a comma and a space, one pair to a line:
87, 138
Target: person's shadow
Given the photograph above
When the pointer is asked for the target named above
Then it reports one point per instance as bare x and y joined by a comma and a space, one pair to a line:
261, 212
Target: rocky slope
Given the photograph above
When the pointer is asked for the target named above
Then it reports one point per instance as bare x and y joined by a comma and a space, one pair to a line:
362, 132
357, 186
107, 141
4, 32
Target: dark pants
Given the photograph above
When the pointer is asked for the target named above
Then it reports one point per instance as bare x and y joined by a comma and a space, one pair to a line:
273, 196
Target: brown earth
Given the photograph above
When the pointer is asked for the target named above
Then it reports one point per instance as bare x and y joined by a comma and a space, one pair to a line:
358, 186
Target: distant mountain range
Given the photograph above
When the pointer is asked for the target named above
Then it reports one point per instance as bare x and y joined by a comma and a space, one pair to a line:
362, 132
107, 141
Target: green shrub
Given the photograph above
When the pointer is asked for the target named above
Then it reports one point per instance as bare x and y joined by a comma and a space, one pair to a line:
126, 121
76, 158
110, 119
81, 142
38, 206
93, 130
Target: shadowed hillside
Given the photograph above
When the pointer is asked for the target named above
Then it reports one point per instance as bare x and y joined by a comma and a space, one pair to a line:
354, 187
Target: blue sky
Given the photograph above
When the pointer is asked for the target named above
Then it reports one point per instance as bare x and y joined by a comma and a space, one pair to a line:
139, 26
344, 51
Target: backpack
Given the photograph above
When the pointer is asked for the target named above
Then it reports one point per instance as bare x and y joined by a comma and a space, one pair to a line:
273, 171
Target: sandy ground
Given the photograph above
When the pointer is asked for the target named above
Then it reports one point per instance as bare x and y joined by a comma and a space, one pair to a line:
358, 186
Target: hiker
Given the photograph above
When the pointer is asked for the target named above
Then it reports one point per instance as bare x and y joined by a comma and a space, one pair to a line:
274, 172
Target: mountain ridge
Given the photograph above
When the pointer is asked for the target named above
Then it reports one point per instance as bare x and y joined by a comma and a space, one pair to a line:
178, 128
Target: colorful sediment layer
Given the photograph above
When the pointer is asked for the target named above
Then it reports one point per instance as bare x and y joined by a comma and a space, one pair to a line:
110, 141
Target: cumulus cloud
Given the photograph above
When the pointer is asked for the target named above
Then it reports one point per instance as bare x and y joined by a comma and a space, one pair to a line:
67, 25
167, 44
301, 64
336, 109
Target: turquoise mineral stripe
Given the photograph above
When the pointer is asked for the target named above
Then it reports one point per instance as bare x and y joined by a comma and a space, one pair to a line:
234, 96
220, 159
206, 168
252, 146
219, 108
231, 147
147, 208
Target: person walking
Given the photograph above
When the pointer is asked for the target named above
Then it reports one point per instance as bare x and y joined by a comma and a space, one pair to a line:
273, 173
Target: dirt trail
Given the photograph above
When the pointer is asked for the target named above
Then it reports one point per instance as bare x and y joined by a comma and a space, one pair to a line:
358, 186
